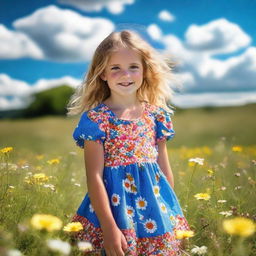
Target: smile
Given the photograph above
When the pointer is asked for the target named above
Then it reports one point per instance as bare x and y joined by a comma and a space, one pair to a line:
125, 84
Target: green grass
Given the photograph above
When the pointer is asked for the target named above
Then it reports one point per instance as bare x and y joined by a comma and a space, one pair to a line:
205, 133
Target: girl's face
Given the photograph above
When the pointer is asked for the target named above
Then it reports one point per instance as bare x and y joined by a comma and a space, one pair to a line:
124, 72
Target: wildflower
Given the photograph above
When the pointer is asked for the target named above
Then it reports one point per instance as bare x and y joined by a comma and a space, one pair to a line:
50, 186
237, 149
58, 245
196, 160
222, 201
223, 188
238, 187
53, 161
6, 150
226, 213
210, 172
239, 226
199, 250
180, 234
237, 174
73, 227
46, 221
202, 196
38, 178
84, 246
10, 188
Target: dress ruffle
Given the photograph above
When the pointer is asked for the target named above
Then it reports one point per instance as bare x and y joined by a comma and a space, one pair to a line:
165, 245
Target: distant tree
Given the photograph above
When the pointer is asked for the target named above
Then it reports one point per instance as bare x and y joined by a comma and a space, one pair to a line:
49, 102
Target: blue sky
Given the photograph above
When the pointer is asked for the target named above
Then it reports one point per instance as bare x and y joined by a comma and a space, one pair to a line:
44, 43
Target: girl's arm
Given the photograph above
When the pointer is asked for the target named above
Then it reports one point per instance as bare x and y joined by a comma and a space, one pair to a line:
114, 240
163, 161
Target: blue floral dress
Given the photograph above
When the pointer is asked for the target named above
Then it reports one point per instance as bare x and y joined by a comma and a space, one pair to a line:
143, 203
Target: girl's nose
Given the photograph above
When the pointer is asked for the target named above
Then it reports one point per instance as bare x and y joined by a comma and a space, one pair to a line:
126, 73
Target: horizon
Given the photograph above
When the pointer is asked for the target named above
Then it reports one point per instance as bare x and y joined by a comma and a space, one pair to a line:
45, 44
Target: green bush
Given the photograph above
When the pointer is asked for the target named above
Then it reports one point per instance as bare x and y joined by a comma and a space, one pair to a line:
49, 102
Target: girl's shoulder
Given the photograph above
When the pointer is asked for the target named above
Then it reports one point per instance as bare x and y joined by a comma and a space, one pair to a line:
98, 113
158, 110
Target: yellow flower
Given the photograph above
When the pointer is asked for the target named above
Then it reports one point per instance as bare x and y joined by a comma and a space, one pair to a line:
73, 227
210, 172
38, 178
239, 226
46, 221
237, 149
202, 196
180, 234
53, 161
6, 150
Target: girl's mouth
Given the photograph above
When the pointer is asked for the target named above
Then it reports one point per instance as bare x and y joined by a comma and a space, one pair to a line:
125, 84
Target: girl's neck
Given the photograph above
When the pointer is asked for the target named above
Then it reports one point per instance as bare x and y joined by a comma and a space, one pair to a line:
124, 103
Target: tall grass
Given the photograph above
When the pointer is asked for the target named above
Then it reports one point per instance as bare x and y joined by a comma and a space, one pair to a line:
228, 176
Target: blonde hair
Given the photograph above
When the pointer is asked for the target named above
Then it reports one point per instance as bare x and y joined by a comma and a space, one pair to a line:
155, 88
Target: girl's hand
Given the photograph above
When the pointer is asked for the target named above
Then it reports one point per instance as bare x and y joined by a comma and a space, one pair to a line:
114, 242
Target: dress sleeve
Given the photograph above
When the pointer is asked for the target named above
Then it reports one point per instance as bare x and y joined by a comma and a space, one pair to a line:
88, 129
164, 125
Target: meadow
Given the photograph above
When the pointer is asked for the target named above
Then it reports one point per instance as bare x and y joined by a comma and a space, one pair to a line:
213, 158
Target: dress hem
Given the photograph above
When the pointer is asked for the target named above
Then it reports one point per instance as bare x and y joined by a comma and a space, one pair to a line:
165, 244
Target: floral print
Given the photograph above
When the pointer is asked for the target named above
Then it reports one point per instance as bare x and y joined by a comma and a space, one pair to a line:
142, 201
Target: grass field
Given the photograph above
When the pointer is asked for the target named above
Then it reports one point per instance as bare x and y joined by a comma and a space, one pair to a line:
223, 137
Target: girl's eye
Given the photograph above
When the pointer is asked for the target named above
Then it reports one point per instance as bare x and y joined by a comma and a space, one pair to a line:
134, 67
114, 68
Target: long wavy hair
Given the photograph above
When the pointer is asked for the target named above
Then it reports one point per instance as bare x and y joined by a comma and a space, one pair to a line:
157, 72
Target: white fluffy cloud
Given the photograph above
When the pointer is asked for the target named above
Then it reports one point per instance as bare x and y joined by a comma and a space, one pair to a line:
113, 6
15, 94
17, 45
218, 36
58, 35
154, 31
189, 100
204, 73
166, 16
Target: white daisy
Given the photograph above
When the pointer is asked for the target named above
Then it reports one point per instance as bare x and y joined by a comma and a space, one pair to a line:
226, 213
163, 207
150, 226
130, 211
222, 201
115, 199
127, 185
141, 203
58, 245
199, 250
156, 190
197, 160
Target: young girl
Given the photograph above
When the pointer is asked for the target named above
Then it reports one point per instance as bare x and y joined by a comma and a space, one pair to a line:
131, 207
